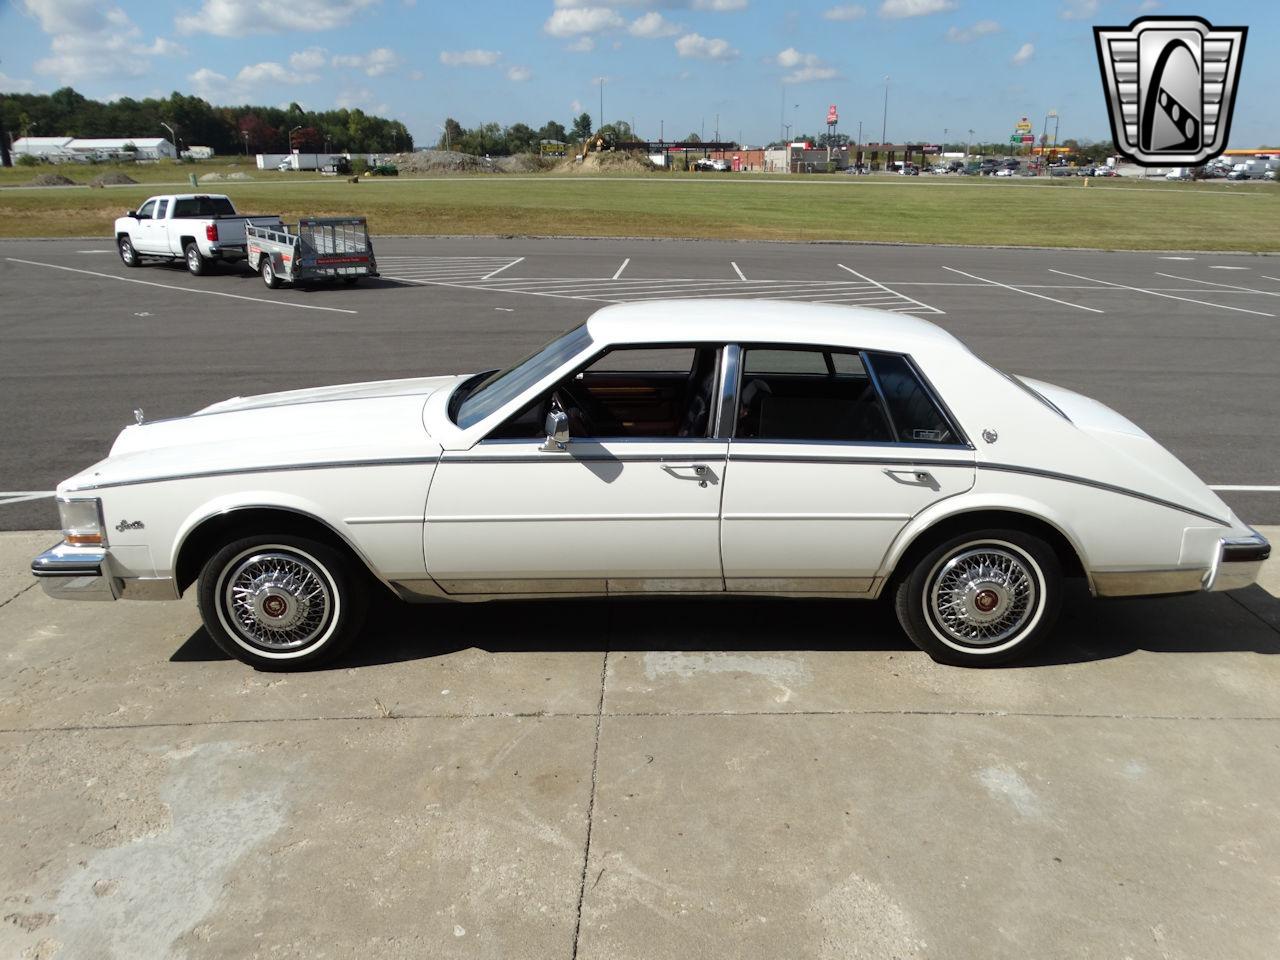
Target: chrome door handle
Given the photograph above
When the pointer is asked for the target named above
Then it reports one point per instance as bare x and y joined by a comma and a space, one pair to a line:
922, 477
701, 472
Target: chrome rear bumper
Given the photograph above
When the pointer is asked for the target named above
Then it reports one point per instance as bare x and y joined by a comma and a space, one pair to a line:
67, 572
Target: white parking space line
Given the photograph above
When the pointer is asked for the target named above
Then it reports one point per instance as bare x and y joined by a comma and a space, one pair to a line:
1265, 277
23, 496
1040, 296
494, 273
95, 251
617, 274
1224, 286
1244, 489
1177, 258
865, 279
1219, 267
169, 286
737, 270
1167, 296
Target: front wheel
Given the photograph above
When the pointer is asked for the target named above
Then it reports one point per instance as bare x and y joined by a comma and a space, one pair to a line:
268, 271
982, 598
128, 255
281, 602
196, 264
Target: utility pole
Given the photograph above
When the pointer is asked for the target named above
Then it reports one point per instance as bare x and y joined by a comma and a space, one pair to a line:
173, 137
717, 128
662, 131
601, 121
782, 114
966, 144
884, 124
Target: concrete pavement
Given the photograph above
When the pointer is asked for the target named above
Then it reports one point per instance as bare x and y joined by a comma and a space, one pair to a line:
625, 779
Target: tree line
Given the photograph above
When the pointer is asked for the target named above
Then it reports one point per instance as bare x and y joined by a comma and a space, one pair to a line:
495, 140
195, 122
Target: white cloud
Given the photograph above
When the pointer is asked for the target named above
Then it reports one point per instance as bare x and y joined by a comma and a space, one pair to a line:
208, 83
968, 34
804, 67
573, 21
92, 41
1148, 5
584, 44
15, 85
651, 26
846, 11
575, 106
376, 63
1024, 54
255, 75
899, 9
361, 98
1078, 9
312, 58
519, 74
697, 47
719, 6
469, 58
238, 18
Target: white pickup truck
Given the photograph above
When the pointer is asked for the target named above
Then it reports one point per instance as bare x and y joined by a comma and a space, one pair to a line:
198, 228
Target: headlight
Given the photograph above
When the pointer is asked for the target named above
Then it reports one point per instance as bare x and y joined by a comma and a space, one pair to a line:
82, 522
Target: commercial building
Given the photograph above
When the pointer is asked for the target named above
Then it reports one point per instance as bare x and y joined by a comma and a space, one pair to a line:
58, 149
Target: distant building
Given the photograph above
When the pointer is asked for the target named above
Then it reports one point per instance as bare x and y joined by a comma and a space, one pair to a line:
103, 148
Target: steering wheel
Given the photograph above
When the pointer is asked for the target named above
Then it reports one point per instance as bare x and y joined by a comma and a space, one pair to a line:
592, 418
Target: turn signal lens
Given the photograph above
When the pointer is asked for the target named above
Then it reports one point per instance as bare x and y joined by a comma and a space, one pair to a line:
82, 522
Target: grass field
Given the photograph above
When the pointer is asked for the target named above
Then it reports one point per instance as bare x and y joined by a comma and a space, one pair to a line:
1115, 214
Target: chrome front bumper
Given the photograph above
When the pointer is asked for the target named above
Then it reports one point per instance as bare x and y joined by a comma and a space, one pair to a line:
1237, 565
67, 572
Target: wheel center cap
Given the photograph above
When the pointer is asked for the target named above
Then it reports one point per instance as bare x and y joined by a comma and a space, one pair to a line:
274, 606
986, 600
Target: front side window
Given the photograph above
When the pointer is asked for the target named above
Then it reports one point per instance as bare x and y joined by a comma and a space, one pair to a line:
808, 394
145, 211
503, 387
640, 392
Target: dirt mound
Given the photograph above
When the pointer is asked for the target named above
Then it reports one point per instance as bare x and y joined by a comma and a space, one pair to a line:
443, 161
524, 163
50, 180
240, 175
113, 179
211, 177
608, 161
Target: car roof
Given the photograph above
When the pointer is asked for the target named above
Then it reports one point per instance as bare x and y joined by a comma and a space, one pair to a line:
765, 321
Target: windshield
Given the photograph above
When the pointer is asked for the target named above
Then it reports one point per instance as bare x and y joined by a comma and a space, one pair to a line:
502, 388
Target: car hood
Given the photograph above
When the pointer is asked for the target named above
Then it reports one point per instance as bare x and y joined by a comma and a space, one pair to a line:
1130, 458
352, 423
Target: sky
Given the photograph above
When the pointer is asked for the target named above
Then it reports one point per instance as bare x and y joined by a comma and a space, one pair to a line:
669, 67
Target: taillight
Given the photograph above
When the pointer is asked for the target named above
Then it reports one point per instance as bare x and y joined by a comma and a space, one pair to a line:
211, 232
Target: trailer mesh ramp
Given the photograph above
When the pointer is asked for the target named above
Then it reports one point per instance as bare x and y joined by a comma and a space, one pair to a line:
332, 236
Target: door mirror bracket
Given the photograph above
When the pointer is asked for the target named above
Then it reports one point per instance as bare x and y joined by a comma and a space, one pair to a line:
557, 427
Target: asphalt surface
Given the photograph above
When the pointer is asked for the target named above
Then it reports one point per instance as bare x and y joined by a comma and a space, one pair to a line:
1186, 346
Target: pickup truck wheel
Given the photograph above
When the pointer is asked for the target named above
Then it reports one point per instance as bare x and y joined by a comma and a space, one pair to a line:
982, 598
268, 271
128, 256
281, 602
196, 264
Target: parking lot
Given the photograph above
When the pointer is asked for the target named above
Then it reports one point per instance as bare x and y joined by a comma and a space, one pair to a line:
721, 778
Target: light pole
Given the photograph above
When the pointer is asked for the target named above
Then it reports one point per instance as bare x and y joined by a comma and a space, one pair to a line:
245, 134
966, 145
944, 139
601, 123
857, 152
445, 131
884, 124
173, 137
292, 131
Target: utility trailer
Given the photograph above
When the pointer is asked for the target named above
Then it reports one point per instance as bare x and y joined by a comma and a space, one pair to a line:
318, 248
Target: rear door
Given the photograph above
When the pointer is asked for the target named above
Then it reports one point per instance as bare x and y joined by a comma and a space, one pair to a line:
833, 452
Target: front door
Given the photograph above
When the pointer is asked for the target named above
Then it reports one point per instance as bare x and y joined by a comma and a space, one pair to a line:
631, 503
833, 453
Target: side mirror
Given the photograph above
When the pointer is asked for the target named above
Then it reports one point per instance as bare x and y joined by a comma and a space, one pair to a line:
130, 213
557, 427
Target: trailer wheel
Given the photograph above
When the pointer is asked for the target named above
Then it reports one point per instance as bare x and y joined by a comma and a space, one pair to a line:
268, 272
196, 264
350, 281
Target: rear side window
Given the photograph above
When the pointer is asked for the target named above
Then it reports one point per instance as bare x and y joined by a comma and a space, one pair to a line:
161, 207
193, 207
814, 395
913, 415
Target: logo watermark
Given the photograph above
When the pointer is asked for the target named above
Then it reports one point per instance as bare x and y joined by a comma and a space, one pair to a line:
1171, 87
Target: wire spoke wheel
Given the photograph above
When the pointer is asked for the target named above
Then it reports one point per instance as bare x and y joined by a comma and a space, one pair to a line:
982, 595
277, 600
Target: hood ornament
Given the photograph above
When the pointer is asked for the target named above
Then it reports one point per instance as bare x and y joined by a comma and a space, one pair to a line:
137, 416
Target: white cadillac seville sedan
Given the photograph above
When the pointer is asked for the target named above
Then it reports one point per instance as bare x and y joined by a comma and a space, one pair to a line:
675, 447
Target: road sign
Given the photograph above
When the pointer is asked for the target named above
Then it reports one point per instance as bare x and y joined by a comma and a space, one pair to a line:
1014, 138
1023, 125
1028, 138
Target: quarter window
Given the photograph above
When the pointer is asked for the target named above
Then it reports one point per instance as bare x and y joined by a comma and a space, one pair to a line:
914, 416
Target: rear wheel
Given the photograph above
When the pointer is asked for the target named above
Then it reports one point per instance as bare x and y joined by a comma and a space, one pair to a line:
128, 255
196, 264
350, 281
268, 271
982, 598
281, 602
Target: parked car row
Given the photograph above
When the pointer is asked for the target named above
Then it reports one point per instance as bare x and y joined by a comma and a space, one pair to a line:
203, 230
